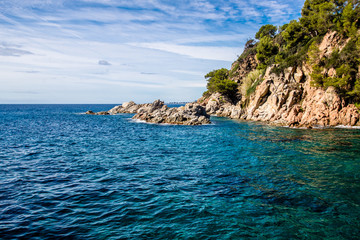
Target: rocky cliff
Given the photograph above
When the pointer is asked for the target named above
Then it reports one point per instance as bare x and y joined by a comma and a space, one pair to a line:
287, 98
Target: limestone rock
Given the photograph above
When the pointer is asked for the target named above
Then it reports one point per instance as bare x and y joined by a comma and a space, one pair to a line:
349, 116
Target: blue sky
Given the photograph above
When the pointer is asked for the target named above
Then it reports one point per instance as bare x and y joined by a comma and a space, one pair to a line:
110, 51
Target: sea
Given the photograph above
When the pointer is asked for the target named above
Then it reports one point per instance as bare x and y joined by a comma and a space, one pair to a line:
67, 175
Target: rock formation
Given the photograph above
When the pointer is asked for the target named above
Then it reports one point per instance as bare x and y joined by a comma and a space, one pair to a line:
190, 114
157, 112
287, 99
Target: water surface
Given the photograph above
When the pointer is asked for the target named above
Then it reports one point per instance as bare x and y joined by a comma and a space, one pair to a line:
74, 176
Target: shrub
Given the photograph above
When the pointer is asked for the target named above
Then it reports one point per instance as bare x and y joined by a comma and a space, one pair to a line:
252, 88
247, 52
233, 70
250, 82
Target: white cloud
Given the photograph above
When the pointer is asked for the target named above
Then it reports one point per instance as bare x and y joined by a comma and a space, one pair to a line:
200, 52
53, 47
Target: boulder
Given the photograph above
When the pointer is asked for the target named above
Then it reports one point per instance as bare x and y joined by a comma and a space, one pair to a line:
127, 105
98, 113
115, 110
102, 113
215, 101
90, 112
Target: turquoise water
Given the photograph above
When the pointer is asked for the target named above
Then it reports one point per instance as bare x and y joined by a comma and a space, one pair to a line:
65, 175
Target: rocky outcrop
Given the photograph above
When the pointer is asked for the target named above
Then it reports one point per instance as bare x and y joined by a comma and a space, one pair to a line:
283, 100
126, 107
98, 113
90, 112
190, 114
288, 99
158, 112
244, 64
330, 42
221, 106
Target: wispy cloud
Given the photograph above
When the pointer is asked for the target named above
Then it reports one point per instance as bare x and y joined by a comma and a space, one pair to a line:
55, 45
148, 73
104, 62
8, 51
11, 49
200, 52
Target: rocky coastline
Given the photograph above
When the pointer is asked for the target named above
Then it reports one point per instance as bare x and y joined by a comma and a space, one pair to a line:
286, 99
158, 112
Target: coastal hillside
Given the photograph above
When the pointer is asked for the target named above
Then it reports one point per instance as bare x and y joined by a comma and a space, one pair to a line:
304, 74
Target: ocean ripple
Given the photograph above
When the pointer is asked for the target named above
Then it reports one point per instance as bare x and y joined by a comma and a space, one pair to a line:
72, 176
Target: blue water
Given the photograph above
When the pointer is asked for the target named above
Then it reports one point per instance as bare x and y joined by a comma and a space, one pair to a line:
65, 175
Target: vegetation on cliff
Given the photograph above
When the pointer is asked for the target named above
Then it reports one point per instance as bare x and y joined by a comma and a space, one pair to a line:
218, 81
297, 43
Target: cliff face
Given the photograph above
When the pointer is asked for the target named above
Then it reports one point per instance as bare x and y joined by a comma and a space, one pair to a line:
287, 99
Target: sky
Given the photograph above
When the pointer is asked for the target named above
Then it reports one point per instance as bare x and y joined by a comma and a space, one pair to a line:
111, 51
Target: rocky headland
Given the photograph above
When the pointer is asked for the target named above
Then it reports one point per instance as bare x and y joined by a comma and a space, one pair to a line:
305, 73
158, 112
288, 98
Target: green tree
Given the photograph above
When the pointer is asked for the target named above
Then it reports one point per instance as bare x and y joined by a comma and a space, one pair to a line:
266, 30
355, 92
318, 16
342, 78
314, 52
218, 81
295, 34
266, 51
349, 20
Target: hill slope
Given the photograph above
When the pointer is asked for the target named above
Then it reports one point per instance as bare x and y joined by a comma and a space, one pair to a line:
305, 73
